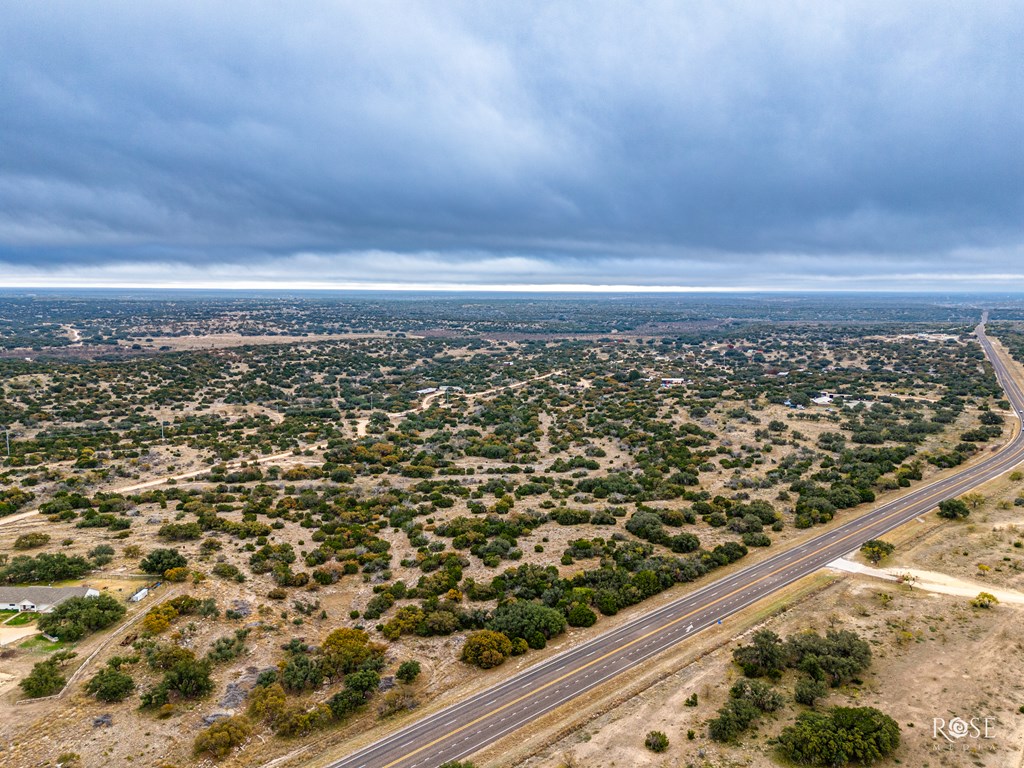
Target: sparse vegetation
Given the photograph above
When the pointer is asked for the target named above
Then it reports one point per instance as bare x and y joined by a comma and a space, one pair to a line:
553, 485
656, 741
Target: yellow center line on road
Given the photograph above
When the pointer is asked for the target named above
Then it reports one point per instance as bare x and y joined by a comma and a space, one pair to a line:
673, 622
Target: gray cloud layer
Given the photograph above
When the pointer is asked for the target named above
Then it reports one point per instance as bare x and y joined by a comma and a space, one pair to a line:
745, 144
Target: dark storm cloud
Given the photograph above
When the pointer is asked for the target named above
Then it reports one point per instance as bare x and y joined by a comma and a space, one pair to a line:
654, 143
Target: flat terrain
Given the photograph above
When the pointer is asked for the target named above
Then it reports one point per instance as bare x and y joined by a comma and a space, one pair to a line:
364, 474
921, 636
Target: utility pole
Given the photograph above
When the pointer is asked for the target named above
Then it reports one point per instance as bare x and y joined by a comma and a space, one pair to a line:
161, 429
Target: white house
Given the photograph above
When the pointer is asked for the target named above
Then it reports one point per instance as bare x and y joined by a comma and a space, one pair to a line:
40, 599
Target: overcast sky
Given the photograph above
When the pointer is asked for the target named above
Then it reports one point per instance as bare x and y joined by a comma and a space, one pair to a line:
552, 144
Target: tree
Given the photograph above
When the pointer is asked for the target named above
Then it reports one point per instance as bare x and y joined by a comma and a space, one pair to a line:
747, 700
656, 741
301, 719
300, 673
345, 650
733, 719
531, 621
362, 681
876, 550
101, 555
953, 509
764, 657
45, 679
345, 702
835, 658
580, 615
761, 695
395, 701
223, 736
189, 678
646, 525
808, 690
984, 600
267, 703
44, 567
841, 736
159, 561
110, 684
973, 500
75, 618
486, 649
408, 671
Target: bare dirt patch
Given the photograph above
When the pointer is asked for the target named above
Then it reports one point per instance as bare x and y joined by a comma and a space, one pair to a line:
921, 644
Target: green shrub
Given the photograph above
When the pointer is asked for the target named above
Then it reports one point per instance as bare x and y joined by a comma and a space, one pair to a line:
408, 671
110, 685
953, 509
223, 736
841, 736
44, 567
528, 620
486, 649
159, 561
31, 540
75, 618
228, 571
656, 741
580, 615
808, 690
876, 550
45, 679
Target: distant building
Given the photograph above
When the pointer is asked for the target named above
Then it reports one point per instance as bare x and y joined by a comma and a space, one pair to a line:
139, 595
427, 391
674, 382
40, 599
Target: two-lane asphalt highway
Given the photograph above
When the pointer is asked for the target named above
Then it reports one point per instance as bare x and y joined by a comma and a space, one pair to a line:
464, 728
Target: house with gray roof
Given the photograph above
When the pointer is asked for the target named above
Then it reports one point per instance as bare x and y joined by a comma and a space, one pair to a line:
40, 599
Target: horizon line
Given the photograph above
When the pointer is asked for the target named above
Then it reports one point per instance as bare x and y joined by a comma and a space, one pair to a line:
540, 288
